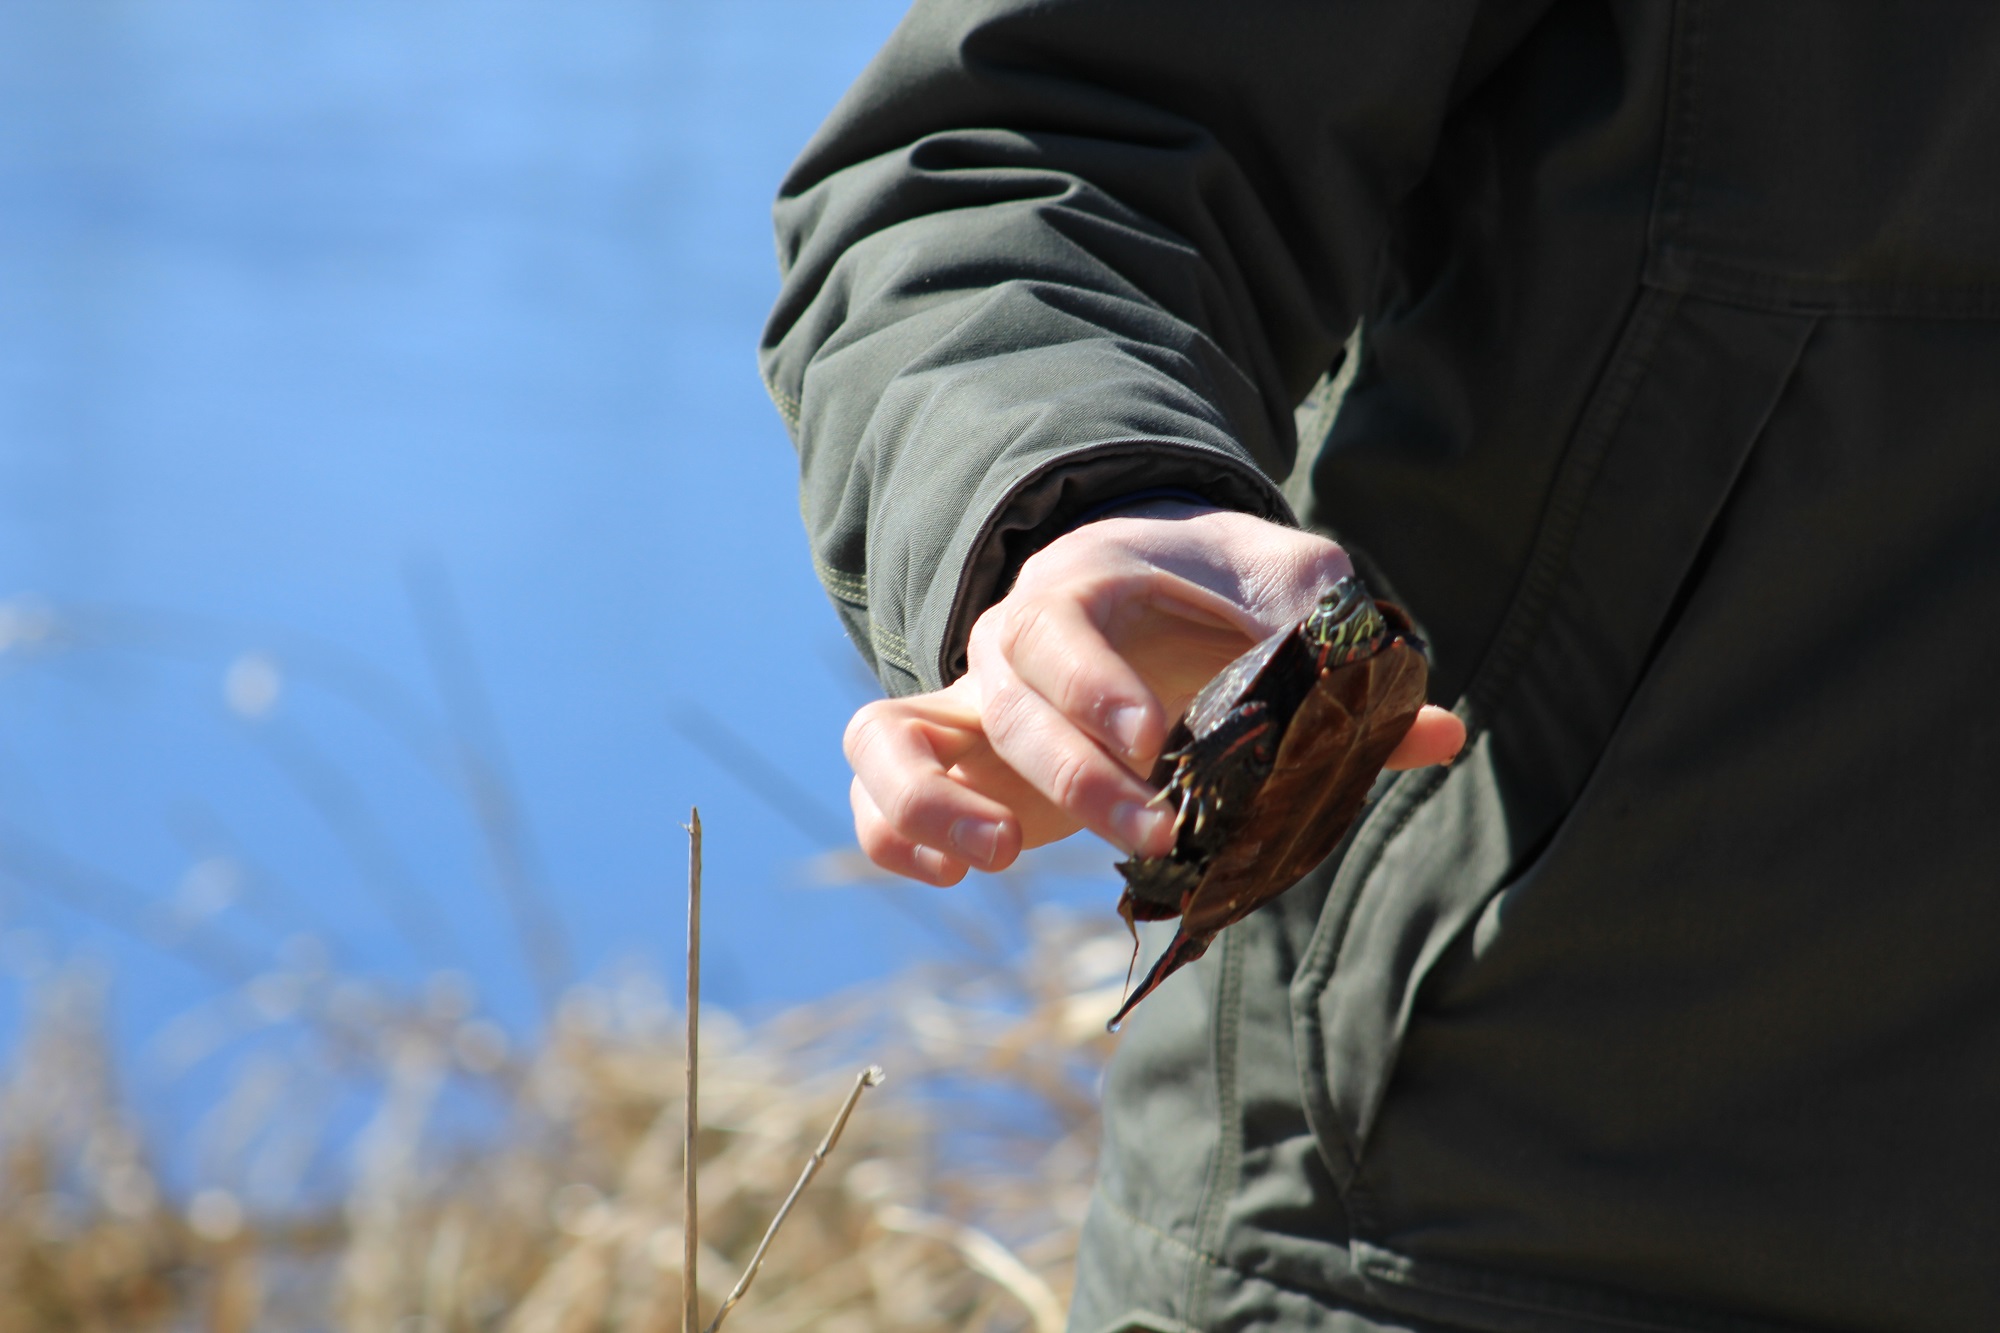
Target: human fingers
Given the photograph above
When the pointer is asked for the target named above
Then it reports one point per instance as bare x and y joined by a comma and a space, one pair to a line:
1115, 641
893, 852
1040, 821
1054, 643
1435, 737
904, 753
1272, 573
1081, 750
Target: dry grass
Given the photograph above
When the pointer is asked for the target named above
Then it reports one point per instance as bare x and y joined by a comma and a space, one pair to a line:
539, 1190
375, 1162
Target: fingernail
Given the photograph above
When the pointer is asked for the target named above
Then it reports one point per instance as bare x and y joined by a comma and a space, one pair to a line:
1136, 824
977, 840
933, 863
1126, 724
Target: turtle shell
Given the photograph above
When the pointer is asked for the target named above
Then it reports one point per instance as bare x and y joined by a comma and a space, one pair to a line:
1229, 688
1283, 751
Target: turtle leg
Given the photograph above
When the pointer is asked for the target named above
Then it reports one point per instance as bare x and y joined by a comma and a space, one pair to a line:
1238, 744
1218, 770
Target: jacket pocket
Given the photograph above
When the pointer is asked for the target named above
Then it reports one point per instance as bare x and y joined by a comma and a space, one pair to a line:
1838, 157
1655, 457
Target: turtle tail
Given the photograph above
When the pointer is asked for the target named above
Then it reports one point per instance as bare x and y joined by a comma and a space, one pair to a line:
1184, 949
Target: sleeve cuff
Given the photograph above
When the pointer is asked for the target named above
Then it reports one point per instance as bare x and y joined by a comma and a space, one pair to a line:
1077, 488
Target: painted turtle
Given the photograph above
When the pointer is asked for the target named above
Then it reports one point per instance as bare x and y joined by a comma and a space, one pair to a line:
1271, 766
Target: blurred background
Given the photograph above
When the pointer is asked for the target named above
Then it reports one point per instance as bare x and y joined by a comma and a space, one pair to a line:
395, 542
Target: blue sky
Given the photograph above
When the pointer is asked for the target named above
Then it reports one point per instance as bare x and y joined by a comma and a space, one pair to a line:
333, 324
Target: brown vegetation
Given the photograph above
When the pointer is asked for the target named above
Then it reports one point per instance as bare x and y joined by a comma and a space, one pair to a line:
539, 1190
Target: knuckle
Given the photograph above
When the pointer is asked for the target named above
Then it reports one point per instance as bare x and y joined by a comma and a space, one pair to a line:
1023, 626
861, 729
1006, 710
1076, 689
1038, 635
914, 807
1080, 677
870, 727
1069, 780
987, 632
1295, 571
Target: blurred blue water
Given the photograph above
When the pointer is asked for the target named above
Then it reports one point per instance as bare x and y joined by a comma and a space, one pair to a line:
301, 298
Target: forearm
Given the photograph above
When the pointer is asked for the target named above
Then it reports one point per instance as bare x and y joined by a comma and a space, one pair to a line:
1045, 255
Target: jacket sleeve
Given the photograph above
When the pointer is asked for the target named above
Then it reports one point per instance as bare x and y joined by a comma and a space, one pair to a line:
1047, 252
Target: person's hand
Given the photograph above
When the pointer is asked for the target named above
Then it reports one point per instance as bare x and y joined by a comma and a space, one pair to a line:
1074, 680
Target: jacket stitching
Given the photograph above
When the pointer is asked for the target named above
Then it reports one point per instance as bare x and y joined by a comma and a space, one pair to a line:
891, 648
1326, 1293
847, 587
1574, 486
787, 404
1728, 282
1683, 124
1681, 258
1224, 1164
1192, 1251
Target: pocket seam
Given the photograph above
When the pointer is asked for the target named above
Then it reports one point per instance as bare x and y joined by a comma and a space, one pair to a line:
1569, 498
1380, 826
1569, 501
1680, 268
1685, 257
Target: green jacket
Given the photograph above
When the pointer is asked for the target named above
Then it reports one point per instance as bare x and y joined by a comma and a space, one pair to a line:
1675, 1004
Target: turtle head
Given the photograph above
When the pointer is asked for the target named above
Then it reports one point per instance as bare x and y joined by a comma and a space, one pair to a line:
1345, 623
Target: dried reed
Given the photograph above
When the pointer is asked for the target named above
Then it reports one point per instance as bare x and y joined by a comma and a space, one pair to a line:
537, 1191
492, 1187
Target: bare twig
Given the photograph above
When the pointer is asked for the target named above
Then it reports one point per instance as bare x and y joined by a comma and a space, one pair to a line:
690, 1221
870, 1077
